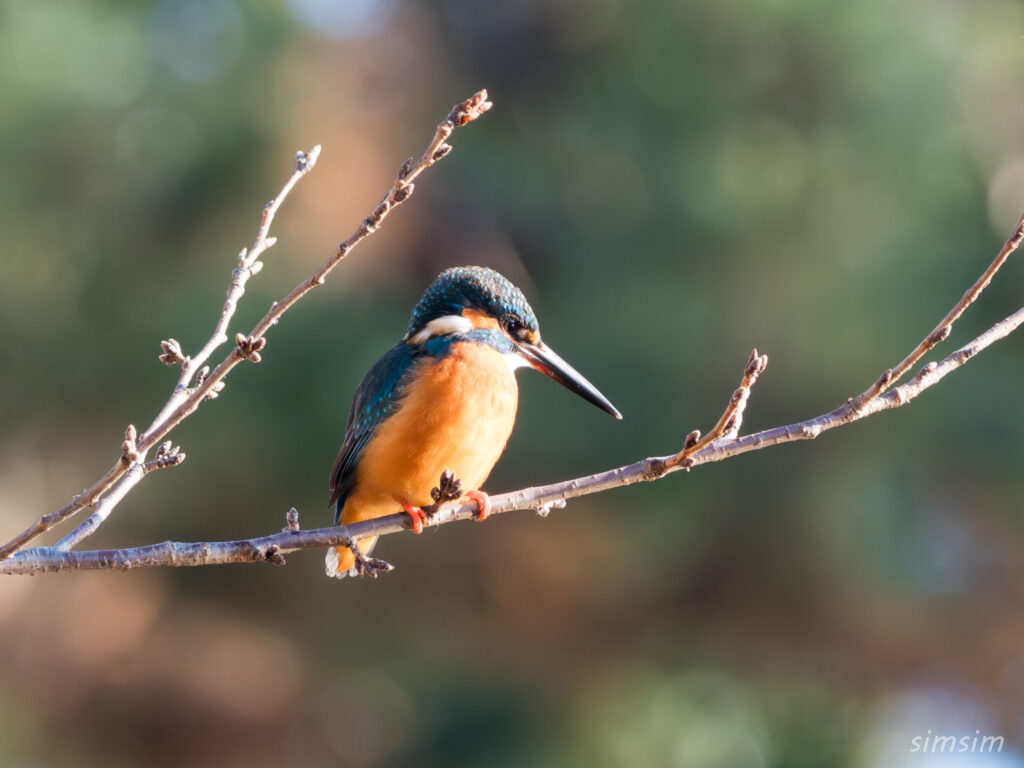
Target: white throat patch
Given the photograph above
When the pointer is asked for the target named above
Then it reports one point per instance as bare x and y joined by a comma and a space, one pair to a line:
516, 360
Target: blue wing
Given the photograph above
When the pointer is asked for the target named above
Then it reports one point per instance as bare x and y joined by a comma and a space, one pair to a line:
375, 401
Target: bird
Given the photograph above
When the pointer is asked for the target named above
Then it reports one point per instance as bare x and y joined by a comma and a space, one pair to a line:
443, 399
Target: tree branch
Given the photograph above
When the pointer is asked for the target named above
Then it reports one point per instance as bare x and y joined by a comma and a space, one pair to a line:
126, 473
730, 421
273, 548
942, 330
130, 467
197, 383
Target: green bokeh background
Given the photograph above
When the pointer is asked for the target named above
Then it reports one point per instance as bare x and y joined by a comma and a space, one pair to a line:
671, 183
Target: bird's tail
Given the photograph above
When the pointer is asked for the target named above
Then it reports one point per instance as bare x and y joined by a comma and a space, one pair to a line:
341, 562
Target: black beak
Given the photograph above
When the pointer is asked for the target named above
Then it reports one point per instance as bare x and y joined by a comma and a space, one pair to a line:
544, 359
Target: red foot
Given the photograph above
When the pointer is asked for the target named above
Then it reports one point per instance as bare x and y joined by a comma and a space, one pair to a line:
419, 517
483, 502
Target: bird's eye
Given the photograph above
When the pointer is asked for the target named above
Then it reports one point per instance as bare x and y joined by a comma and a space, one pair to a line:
514, 328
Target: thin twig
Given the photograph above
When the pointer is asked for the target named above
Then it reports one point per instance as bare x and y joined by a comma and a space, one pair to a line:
194, 367
185, 400
942, 330
48, 559
720, 443
896, 397
121, 473
731, 419
166, 456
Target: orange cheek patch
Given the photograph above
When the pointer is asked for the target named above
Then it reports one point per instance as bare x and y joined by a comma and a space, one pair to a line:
479, 319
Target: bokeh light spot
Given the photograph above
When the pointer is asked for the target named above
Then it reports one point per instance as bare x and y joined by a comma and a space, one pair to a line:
196, 41
343, 20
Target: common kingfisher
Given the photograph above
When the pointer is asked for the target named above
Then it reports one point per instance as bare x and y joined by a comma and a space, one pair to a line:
443, 398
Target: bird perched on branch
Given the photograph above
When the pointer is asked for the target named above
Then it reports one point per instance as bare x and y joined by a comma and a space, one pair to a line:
443, 398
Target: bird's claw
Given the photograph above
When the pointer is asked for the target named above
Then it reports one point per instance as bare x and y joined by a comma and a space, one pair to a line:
483, 503
418, 516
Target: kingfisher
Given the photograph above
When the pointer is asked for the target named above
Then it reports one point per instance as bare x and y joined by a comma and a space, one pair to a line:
443, 399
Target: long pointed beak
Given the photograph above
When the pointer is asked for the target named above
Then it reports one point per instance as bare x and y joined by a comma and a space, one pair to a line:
544, 359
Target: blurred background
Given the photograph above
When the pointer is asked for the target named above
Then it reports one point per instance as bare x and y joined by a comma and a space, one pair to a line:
671, 184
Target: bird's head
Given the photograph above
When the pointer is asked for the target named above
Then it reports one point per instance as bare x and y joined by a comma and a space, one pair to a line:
464, 299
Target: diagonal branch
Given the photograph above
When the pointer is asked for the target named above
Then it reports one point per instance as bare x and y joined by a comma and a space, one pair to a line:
185, 400
126, 473
722, 442
191, 367
945, 326
730, 421
897, 397
273, 548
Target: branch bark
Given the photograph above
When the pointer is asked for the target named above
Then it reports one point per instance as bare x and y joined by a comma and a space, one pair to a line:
941, 331
197, 383
272, 548
185, 399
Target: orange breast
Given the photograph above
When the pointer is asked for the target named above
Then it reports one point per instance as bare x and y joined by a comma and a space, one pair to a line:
457, 414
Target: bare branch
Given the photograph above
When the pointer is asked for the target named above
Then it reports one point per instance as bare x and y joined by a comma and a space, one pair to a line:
185, 399
102, 509
166, 456
730, 421
172, 355
945, 326
848, 412
721, 442
542, 498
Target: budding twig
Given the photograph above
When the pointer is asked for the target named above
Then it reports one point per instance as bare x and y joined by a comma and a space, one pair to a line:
945, 326
729, 423
129, 448
366, 565
172, 353
722, 442
186, 399
166, 456
248, 348
449, 488
191, 367
540, 498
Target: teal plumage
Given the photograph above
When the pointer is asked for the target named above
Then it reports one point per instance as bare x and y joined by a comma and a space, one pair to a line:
484, 289
374, 401
380, 394
443, 398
